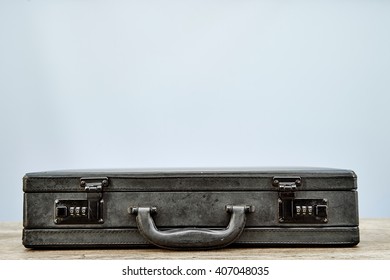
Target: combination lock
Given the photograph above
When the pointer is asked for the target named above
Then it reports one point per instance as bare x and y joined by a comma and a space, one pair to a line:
86, 211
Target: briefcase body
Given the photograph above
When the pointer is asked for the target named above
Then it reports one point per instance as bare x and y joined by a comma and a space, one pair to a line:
190, 209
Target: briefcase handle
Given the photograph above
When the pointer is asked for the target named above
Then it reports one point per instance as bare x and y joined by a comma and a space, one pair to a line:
191, 238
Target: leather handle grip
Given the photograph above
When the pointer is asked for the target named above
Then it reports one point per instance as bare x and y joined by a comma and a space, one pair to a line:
196, 238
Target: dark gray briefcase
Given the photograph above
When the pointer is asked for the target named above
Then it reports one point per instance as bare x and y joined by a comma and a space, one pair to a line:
190, 209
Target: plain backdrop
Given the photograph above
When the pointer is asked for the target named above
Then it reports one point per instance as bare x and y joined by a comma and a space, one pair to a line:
122, 84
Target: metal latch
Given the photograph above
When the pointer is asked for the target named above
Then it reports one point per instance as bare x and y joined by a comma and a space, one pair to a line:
293, 210
94, 184
287, 185
87, 211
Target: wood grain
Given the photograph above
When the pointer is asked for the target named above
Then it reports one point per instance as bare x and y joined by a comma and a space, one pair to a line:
374, 244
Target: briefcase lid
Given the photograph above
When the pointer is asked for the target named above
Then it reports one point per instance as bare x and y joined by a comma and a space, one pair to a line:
193, 179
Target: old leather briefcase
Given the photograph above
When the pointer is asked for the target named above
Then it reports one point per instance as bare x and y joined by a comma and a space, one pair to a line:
190, 209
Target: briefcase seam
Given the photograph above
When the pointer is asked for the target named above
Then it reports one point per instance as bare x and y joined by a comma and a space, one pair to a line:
135, 230
90, 243
287, 242
145, 243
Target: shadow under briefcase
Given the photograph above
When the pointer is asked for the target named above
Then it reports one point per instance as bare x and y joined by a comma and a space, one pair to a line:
190, 209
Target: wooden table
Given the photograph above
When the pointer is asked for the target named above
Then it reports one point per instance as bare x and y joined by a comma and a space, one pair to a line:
374, 244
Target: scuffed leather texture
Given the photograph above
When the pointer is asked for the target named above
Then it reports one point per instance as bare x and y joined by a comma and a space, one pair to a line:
189, 180
188, 199
185, 209
130, 238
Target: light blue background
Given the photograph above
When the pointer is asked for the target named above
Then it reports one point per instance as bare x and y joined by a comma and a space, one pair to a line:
105, 84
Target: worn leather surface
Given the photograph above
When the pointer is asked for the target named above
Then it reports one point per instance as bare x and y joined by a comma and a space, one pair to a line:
183, 209
64, 238
188, 180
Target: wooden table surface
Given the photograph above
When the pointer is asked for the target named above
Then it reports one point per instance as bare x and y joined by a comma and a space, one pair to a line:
374, 244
